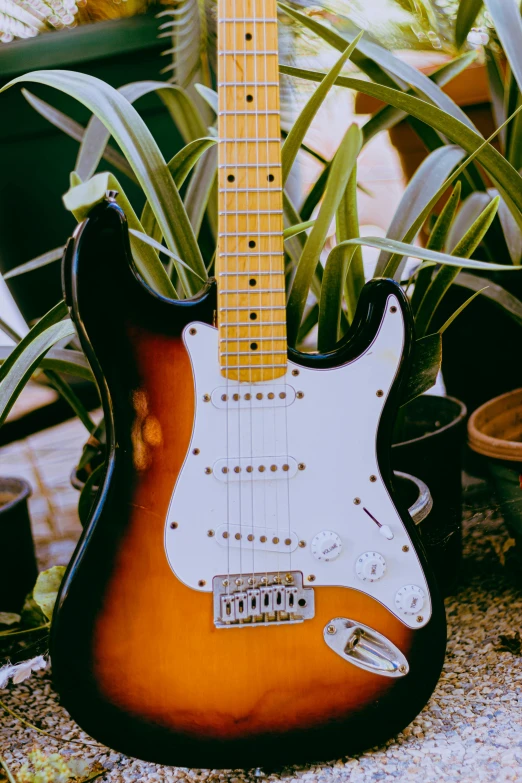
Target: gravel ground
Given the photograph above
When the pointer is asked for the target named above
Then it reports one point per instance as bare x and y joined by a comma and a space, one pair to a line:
471, 730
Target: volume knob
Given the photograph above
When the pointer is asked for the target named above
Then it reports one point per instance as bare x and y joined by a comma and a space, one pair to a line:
409, 599
370, 566
326, 545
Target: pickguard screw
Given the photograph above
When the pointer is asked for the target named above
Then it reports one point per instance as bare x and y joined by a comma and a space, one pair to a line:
357, 501
206, 398
405, 548
302, 544
402, 669
208, 471
201, 582
193, 331
331, 629
311, 578
239, 582
301, 466
373, 478
379, 393
251, 581
289, 579
393, 309
225, 583
210, 533
300, 395
295, 372
420, 618
195, 451
173, 525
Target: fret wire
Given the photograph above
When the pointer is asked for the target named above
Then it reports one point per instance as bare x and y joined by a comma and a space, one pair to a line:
248, 19
252, 366
247, 190
254, 291
248, 84
227, 234
249, 324
244, 253
249, 166
247, 339
255, 53
247, 113
257, 353
251, 307
244, 140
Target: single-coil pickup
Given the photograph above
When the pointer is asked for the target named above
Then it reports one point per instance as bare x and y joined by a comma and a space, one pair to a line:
249, 396
255, 468
259, 538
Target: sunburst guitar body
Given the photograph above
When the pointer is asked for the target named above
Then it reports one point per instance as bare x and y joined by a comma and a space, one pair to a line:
247, 591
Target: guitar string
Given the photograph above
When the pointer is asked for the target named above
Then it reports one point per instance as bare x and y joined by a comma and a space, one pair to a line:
223, 240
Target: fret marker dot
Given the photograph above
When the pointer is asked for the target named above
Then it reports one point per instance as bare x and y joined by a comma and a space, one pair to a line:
231, 178
252, 243
250, 98
252, 281
253, 316
270, 178
248, 36
253, 346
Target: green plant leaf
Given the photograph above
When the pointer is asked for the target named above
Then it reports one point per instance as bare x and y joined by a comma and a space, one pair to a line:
36, 263
143, 154
507, 178
200, 189
141, 237
459, 310
494, 292
389, 116
292, 231
81, 199
508, 25
34, 347
437, 241
179, 104
46, 589
209, 95
466, 15
295, 138
391, 64
347, 227
329, 321
70, 396
424, 367
469, 211
446, 275
342, 166
54, 315
75, 131
180, 167
9, 618
425, 183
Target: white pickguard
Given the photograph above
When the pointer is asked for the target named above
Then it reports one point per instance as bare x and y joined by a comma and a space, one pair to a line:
330, 431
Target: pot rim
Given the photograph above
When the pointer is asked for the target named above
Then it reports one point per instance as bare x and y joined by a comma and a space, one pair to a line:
458, 418
419, 510
487, 445
23, 491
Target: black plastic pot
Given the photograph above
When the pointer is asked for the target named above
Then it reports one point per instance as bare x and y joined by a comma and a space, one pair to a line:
430, 445
37, 158
18, 562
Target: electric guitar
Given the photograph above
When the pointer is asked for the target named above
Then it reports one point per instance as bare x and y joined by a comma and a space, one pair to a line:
247, 591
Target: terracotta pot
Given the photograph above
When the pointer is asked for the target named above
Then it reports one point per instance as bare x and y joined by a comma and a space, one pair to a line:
495, 432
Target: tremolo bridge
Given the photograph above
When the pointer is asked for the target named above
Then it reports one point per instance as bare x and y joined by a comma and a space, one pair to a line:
261, 599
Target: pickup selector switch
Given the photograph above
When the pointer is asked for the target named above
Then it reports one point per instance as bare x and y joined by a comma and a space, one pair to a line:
326, 545
409, 599
370, 566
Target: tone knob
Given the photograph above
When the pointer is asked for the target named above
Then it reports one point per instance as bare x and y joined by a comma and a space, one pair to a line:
370, 566
409, 599
326, 545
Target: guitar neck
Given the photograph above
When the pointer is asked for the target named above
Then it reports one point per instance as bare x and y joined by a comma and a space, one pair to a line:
250, 260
